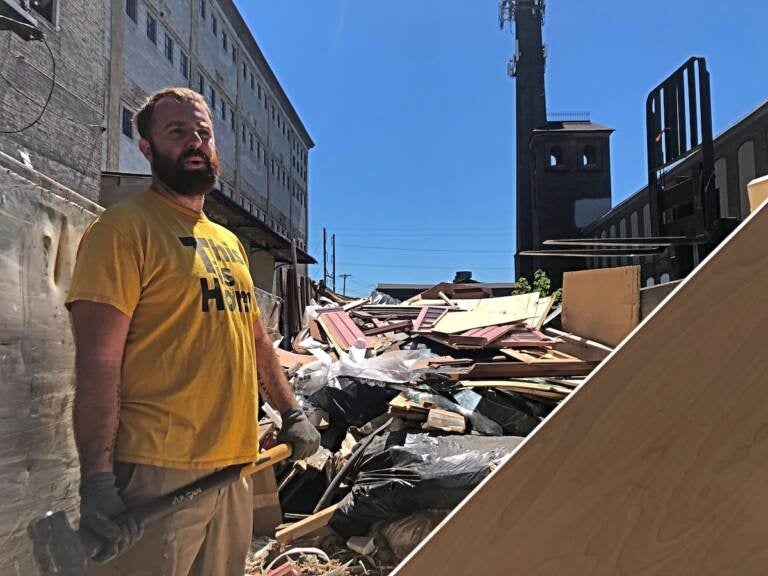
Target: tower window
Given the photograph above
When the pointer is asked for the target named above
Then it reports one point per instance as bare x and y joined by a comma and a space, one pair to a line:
556, 157
588, 157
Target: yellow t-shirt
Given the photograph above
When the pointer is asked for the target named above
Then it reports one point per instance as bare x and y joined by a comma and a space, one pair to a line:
189, 393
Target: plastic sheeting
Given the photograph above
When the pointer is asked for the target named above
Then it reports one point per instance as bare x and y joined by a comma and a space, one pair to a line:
40, 228
425, 473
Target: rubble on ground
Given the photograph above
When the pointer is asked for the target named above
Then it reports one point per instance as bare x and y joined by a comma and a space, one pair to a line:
416, 402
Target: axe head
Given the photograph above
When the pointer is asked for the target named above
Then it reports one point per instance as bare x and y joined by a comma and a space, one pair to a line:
57, 547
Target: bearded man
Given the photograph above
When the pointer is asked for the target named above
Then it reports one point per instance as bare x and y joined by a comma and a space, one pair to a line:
169, 347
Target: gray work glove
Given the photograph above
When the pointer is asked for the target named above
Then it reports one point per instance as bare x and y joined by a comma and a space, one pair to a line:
100, 503
298, 431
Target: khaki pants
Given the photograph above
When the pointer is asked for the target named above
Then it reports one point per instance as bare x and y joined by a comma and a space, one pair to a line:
209, 537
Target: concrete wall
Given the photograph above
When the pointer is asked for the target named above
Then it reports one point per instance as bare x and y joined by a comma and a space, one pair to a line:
65, 143
40, 227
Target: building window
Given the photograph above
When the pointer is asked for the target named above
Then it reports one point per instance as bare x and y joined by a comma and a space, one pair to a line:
589, 157
151, 29
721, 182
214, 25
127, 123
46, 9
234, 54
259, 90
130, 9
183, 64
252, 83
556, 157
201, 84
242, 137
202, 9
223, 109
664, 278
251, 139
746, 157
245, 71
224, 40
231, 119
212, 97
650, 281
168, 47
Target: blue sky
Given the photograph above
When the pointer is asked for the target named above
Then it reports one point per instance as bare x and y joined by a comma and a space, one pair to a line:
412, 112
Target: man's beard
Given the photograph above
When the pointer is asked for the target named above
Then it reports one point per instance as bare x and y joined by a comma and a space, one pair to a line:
183, 181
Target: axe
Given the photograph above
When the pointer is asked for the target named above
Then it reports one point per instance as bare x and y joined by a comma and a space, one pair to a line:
61, 551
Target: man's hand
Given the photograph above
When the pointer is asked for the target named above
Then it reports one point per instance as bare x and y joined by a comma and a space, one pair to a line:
298, 431
100, 503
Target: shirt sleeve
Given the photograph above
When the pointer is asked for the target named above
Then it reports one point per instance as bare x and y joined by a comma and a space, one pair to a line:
107, 269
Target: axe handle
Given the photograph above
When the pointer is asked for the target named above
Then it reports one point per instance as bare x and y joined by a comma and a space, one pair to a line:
151, 511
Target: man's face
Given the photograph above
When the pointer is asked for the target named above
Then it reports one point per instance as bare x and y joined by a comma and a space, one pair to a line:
181, 149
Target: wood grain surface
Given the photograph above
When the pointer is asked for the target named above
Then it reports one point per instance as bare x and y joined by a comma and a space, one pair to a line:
657, 465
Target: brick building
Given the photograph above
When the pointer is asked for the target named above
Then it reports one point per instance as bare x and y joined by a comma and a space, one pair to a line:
51, 103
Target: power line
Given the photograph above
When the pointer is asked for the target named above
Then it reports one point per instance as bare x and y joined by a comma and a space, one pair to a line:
53, 77
446, 250
445, 234
447, 267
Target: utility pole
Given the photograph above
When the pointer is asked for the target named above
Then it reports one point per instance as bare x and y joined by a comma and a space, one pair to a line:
325, 255
344, 289
333, 252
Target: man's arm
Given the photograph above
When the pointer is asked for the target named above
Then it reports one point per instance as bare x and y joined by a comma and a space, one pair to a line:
272, 378
296, 430
100, 334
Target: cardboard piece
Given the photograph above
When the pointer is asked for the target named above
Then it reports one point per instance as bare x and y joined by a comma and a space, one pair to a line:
602, 304
267, 513
656, 465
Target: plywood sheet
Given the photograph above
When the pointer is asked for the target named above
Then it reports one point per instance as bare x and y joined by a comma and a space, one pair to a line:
602, 305
489, 312
657, 464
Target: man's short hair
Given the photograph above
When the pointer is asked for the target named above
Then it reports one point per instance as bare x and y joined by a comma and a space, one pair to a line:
144, 115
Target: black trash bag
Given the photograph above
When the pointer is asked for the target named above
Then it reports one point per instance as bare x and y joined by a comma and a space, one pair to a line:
357, 401
426, 473
513, 414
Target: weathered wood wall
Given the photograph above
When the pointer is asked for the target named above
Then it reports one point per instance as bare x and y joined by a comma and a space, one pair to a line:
657, 464
40, 226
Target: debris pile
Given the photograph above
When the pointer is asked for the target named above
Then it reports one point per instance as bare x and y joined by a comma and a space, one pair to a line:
416, 402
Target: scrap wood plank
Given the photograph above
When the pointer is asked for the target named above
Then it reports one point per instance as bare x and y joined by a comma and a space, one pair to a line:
445, 421
540, 389
515, 309
530, 364
656, 464
481, 337
289, 359
539, 355
308, 525
543, 306
427, 317
340, 329
389, 327
524, 338
602, 304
